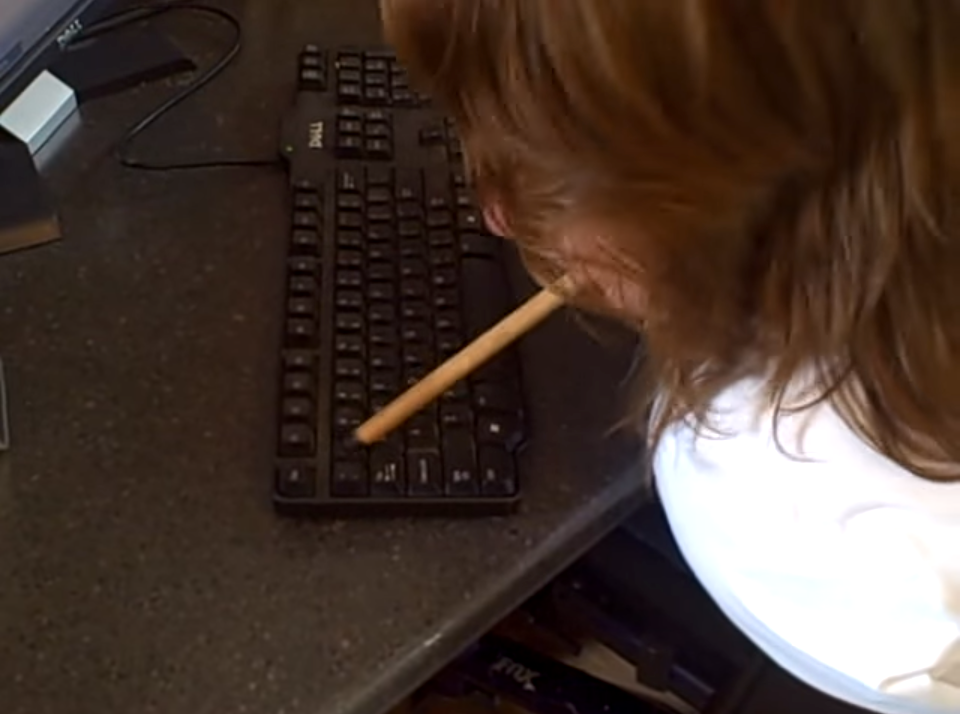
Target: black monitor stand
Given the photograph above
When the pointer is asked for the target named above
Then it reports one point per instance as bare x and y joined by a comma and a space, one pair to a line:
119, 60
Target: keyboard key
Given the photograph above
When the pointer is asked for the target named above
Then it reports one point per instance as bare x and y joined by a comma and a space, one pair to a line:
303, 266
381, 271
347, 345
348, 368
347, 418
413, 290
384, 358
491, 396
387, 470
306, 219
380, 176
499, 430
378, 195
302, 307
409, 210
349, 322
421, 431
349, 300
413, 248
378, 148
301, 332
305, 242
382, 313
431, 135
306, 200
378, 115
382, 292
379, 234
350, 239
349, 60
349, 202
349, 480
418, 356
350, 258
424, 475
381, 253
303, 286
408, 185
469, 220
443, 257
296, 481
349, 279
413, 268
497, 472
444, 278
449, 343
349, 392
416, 333
448, 320
444, 299
349, 181
413, 375
349, 93
439, 219
380, 213
414, 311
297, 440
377, 130
411, 229
299, 384
383, 336
385, 381
349, 113
349, 220
461, 474
296, 409
298, 361
456, 415
439, 239
457, 393
480, 245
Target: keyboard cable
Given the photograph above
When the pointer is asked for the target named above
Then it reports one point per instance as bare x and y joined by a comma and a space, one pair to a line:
139, 13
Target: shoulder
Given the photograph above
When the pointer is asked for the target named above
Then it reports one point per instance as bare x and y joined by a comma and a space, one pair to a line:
837, 562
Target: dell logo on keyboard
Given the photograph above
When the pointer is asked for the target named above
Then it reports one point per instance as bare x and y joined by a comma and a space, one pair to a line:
316, 135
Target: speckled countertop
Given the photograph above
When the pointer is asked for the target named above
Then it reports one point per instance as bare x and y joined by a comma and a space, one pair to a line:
142, 568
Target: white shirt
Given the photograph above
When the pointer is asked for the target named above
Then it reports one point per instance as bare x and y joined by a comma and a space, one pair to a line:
840, 565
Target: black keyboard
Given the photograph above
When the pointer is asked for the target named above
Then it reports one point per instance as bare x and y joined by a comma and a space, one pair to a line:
389, 272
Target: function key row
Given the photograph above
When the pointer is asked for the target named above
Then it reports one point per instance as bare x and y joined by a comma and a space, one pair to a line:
373, 79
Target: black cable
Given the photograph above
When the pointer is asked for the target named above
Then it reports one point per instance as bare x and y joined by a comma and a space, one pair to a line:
138, 13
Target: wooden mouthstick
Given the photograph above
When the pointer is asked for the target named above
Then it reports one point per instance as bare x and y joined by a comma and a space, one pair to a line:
467, 360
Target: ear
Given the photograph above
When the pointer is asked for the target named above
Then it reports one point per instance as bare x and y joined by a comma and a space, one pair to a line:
494, 218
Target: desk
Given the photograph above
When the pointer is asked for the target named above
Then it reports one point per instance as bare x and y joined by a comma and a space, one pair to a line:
142, 568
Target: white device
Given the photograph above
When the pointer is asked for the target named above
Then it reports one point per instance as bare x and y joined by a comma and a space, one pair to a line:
40, 110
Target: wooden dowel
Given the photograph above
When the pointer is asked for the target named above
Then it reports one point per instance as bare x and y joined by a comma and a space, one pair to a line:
469, 359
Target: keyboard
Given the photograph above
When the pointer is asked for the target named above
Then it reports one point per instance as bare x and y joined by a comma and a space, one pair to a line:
389, 271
